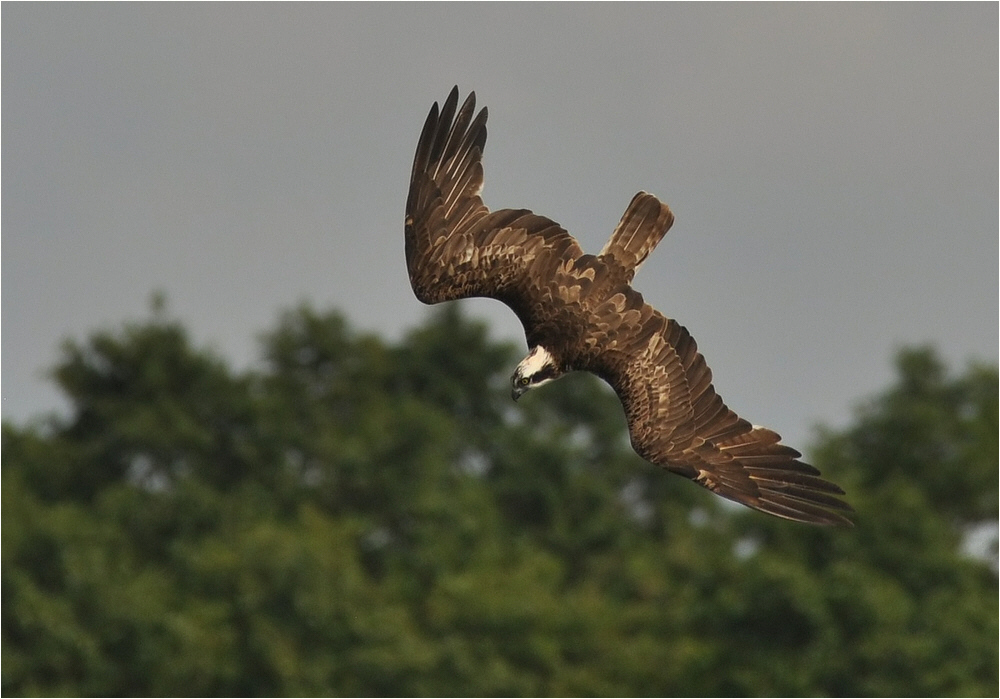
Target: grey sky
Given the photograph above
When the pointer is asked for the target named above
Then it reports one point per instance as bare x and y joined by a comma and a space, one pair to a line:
832, 168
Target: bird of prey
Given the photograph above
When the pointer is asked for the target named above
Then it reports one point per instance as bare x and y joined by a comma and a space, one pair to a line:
580, 313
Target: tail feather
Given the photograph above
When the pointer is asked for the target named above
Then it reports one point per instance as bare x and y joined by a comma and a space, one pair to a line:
643, 225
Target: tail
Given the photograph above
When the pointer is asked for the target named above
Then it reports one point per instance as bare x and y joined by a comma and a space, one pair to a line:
643, 225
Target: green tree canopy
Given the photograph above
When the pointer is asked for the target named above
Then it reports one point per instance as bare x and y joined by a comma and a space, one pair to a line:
360, 517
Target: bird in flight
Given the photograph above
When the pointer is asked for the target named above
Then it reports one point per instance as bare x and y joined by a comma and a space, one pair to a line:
580, 313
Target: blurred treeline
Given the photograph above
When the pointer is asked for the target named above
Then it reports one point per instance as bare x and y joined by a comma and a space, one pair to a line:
357, 517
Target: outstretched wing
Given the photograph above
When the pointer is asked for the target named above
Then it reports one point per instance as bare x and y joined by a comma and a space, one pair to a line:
456, 247
676, 419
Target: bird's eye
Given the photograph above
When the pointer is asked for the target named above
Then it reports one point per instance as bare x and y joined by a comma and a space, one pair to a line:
524, 381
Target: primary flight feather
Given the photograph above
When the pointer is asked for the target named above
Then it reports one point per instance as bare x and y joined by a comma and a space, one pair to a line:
580, 313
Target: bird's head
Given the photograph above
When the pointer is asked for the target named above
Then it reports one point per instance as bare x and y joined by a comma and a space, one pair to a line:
538, 368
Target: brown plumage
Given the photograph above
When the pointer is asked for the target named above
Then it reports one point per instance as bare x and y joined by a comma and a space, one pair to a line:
580, 313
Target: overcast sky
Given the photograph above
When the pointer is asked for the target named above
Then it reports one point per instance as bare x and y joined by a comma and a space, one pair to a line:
832, 169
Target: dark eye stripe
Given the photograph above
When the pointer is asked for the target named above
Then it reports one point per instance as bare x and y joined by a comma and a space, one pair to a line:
546, 372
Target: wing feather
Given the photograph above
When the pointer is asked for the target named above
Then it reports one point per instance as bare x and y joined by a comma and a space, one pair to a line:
676, 420
455, 246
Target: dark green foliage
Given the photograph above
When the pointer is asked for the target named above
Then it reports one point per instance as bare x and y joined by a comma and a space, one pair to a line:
363, 518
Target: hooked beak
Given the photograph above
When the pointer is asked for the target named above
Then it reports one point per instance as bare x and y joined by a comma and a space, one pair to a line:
518, 391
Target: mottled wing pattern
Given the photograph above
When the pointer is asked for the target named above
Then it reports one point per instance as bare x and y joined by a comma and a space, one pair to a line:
676, 420
456, 247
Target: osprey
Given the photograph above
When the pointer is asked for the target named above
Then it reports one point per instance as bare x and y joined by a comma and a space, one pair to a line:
580, 313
